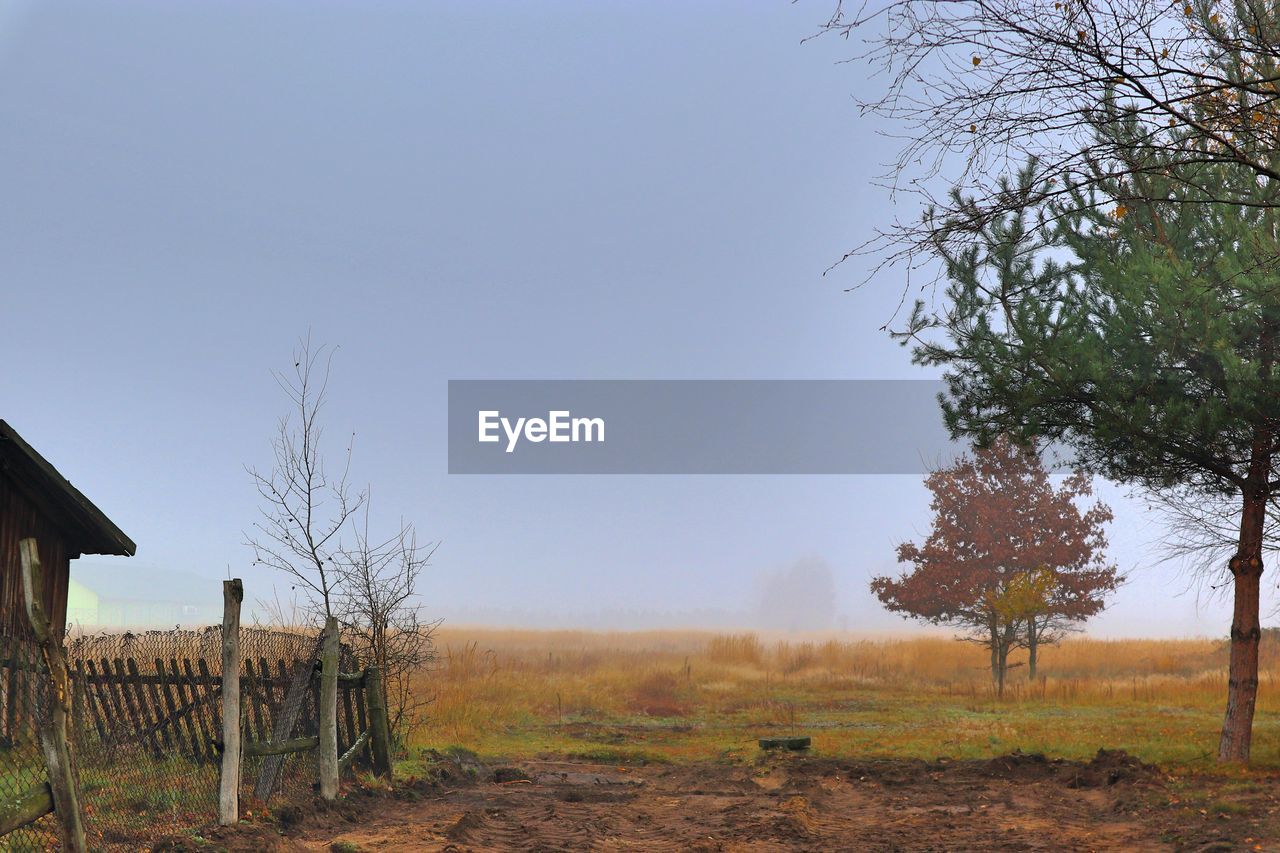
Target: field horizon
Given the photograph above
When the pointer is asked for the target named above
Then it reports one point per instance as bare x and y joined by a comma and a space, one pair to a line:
905, 634
678, 696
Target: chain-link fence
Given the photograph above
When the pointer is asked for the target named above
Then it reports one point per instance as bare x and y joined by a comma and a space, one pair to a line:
147, 726
279, 690
25, 698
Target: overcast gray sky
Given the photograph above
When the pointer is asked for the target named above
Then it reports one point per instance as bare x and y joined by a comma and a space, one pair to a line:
448, 191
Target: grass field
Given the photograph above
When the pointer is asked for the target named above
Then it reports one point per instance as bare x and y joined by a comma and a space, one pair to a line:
684, 696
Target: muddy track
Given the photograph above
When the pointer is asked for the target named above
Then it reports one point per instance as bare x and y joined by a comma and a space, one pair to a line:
800, 804
1015, 802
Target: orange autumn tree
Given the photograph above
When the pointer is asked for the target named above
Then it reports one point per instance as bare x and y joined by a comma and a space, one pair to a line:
1011, 561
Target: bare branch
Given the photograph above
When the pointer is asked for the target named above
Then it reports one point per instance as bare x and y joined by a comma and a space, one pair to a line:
303, 510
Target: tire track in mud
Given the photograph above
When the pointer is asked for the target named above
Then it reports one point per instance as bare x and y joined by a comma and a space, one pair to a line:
566, 816
791, 803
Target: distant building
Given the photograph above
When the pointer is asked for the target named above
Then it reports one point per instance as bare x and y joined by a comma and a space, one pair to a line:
82, 604
109, 597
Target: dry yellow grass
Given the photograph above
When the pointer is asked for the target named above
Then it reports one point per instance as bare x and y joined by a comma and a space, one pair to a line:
688, 694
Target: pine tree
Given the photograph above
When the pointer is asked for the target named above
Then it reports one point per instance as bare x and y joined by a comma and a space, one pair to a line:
1135, 324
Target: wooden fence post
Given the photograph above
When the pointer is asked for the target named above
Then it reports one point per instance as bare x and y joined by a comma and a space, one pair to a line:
329, 711
379, 727
229, 778
283, 726
53, 729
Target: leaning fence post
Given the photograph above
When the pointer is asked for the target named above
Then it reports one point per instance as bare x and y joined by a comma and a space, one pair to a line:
379, 728
229, 779
329, 711
53, 729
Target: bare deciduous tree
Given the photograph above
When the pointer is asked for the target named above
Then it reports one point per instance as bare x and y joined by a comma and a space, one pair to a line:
316, 530
975, 88
304, 509
382, 615
1202, 531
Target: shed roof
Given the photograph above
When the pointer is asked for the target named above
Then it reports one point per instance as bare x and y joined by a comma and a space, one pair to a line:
87, 528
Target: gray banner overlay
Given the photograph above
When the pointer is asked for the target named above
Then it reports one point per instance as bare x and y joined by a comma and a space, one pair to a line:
697, 427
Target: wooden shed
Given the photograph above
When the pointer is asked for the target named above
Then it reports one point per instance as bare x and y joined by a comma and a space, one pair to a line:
35, 500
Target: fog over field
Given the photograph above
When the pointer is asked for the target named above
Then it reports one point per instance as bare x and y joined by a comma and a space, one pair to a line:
452, 191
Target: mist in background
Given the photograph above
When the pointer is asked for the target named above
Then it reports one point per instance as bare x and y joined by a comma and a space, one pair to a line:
800, 597
453, 191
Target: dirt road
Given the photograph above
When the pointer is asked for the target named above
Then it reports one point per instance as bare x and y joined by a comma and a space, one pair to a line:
1017, 802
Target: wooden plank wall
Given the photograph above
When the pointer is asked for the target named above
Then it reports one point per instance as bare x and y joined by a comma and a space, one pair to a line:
19, 518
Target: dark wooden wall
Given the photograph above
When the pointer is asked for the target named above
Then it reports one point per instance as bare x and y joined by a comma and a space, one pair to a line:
19, 519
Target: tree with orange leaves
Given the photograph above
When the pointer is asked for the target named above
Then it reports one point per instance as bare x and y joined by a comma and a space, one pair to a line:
1011, 560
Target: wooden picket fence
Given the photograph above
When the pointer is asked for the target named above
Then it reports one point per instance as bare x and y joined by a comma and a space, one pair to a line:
224, 715
174, 706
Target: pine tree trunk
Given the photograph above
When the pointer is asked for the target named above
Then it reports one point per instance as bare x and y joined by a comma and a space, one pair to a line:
1242, 678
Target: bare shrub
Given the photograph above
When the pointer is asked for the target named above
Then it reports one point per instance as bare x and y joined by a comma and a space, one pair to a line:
383, 618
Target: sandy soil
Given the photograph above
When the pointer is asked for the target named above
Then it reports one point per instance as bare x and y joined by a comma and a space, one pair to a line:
1017, 802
